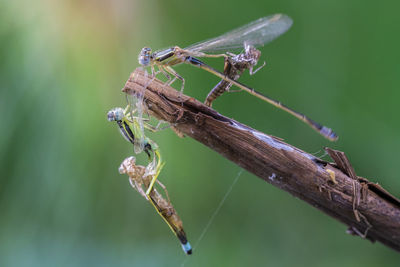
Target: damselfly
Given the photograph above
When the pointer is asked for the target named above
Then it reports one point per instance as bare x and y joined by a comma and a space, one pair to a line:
131, 125
140, 178
256, 33
131, 128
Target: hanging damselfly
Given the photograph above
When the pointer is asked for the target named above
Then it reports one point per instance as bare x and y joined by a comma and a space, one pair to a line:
131, 128
131, 124
255, 34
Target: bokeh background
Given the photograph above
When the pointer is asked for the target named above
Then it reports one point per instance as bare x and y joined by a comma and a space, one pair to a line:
62, 65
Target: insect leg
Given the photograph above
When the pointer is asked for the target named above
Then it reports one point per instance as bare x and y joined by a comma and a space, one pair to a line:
176, 76
252, 72
158, 170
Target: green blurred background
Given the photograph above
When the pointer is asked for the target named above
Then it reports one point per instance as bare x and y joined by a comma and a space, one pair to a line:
62, 65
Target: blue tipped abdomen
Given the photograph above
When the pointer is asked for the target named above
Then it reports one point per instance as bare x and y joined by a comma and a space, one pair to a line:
187, 248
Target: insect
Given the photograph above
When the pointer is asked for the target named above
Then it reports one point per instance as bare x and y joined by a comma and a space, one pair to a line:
132, 129
256, 33
131, 125
234, 67
140, 178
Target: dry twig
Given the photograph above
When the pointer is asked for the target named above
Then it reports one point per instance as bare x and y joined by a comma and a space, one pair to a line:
369, 210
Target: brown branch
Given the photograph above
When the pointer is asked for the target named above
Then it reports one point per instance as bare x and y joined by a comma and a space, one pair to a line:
369, 210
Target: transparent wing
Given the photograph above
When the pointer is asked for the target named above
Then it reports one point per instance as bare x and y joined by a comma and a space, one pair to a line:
140, 128
256, 33
135, 115
139, 111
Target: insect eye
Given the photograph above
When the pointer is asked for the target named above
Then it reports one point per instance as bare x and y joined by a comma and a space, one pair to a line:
144, 56
115, 114
111, 115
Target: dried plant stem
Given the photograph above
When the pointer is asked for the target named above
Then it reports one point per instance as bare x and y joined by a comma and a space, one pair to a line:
369, 210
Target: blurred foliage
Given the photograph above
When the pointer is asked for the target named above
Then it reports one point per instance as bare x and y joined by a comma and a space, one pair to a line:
62, 65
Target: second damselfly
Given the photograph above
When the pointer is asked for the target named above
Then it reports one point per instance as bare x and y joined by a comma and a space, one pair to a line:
254, 34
